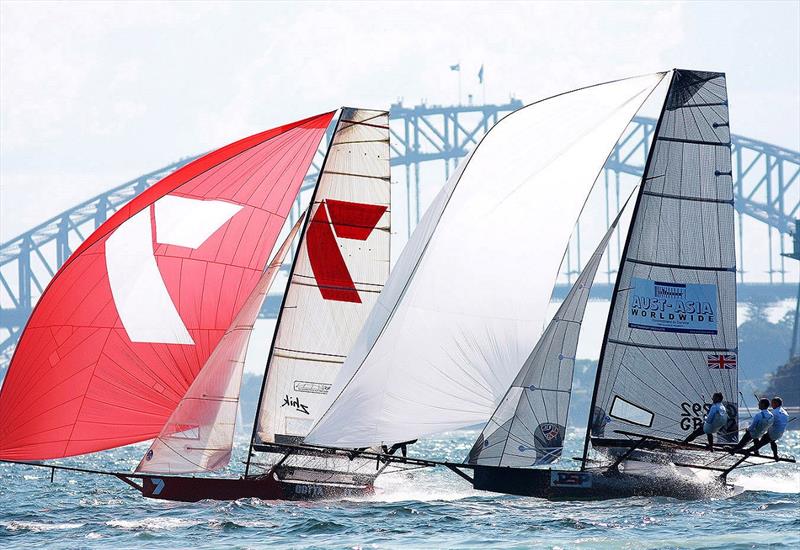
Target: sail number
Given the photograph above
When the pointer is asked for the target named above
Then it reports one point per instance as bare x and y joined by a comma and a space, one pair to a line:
692, 415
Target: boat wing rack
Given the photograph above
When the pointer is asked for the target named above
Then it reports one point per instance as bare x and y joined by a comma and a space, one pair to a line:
381, 458
688, 455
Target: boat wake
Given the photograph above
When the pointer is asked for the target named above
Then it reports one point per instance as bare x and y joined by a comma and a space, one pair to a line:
787, 482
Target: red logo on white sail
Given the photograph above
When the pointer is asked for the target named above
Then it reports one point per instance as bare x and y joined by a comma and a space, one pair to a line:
350, 220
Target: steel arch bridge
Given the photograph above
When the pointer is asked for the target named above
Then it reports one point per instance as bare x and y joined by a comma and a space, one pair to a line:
766, 182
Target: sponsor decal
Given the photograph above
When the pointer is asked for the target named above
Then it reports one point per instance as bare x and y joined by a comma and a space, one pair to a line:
349, 220
294, 402
550, 431
673, 307
581, 480
308, 490
145, 308
311, 387
158, 485
721, 361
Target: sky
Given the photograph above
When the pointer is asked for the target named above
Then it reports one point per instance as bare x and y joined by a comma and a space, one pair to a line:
93, 94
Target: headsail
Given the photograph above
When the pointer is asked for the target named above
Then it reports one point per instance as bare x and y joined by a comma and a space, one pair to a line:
671, 337
463, 306
340, 268
129, 320
198, 437
530, 425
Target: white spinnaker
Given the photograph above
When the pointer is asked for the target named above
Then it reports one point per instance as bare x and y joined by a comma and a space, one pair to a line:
467, 299
323, 313
198, 437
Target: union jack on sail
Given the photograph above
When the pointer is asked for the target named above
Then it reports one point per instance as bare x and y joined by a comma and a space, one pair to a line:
726, 361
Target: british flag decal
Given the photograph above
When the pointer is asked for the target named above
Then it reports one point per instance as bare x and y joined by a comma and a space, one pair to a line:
726, 361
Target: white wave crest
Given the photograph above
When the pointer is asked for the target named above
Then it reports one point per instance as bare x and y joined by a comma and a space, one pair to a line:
37, 527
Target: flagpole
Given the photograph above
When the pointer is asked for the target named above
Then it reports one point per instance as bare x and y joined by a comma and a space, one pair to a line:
459, 83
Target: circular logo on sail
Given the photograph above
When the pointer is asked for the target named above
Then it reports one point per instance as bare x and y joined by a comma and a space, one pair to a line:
550, 431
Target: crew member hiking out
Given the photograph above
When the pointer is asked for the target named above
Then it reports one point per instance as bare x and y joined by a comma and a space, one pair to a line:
759, 426
715, 419
780, 418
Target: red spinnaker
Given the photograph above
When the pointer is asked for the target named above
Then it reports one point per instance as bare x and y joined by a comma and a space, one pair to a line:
132, 316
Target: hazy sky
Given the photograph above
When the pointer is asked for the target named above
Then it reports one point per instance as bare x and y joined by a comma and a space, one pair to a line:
93, 94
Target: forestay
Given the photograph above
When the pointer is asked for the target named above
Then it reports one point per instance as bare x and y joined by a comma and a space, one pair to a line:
341, 266
467, 298
671, 339
198, 437
530, 425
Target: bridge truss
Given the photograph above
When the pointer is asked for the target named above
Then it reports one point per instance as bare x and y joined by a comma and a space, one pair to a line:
423, 138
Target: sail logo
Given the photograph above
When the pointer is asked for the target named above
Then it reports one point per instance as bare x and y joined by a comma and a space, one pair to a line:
673, 307
140, 295
550, 431
343, 220
294, 402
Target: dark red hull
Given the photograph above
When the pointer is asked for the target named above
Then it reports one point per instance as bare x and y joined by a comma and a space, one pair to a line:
193, 489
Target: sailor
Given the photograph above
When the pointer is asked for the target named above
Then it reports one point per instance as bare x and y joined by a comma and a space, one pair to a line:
780, 418
759, 426
716, 418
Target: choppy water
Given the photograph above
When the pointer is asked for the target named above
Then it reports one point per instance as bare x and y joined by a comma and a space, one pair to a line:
423, 509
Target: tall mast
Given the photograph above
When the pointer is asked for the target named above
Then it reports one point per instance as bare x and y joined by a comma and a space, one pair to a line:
283, 299
650, 156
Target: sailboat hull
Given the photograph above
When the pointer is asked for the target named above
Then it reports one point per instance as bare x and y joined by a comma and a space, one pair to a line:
268, 487
592, 484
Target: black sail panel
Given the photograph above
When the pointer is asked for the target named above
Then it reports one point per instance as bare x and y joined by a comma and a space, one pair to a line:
671, 340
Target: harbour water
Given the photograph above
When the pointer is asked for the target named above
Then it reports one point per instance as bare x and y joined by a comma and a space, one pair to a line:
420, 509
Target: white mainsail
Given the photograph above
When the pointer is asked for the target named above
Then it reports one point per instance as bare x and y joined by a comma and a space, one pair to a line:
467, 299
341, 265
198, 437
671, 339
529, 427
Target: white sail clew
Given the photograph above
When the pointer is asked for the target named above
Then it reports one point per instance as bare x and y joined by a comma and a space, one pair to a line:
198, 437
464, 306
529, 426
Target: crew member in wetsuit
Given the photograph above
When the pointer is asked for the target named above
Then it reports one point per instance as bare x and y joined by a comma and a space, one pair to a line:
716, 418
780, 418
759, 426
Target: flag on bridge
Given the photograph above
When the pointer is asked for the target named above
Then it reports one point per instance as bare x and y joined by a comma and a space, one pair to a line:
480, 75
456, 67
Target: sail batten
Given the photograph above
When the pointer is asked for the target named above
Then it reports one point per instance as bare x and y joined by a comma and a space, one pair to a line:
462, 308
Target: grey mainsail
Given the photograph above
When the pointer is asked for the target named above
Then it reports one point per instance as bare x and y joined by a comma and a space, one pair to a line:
671, 339
529, 426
